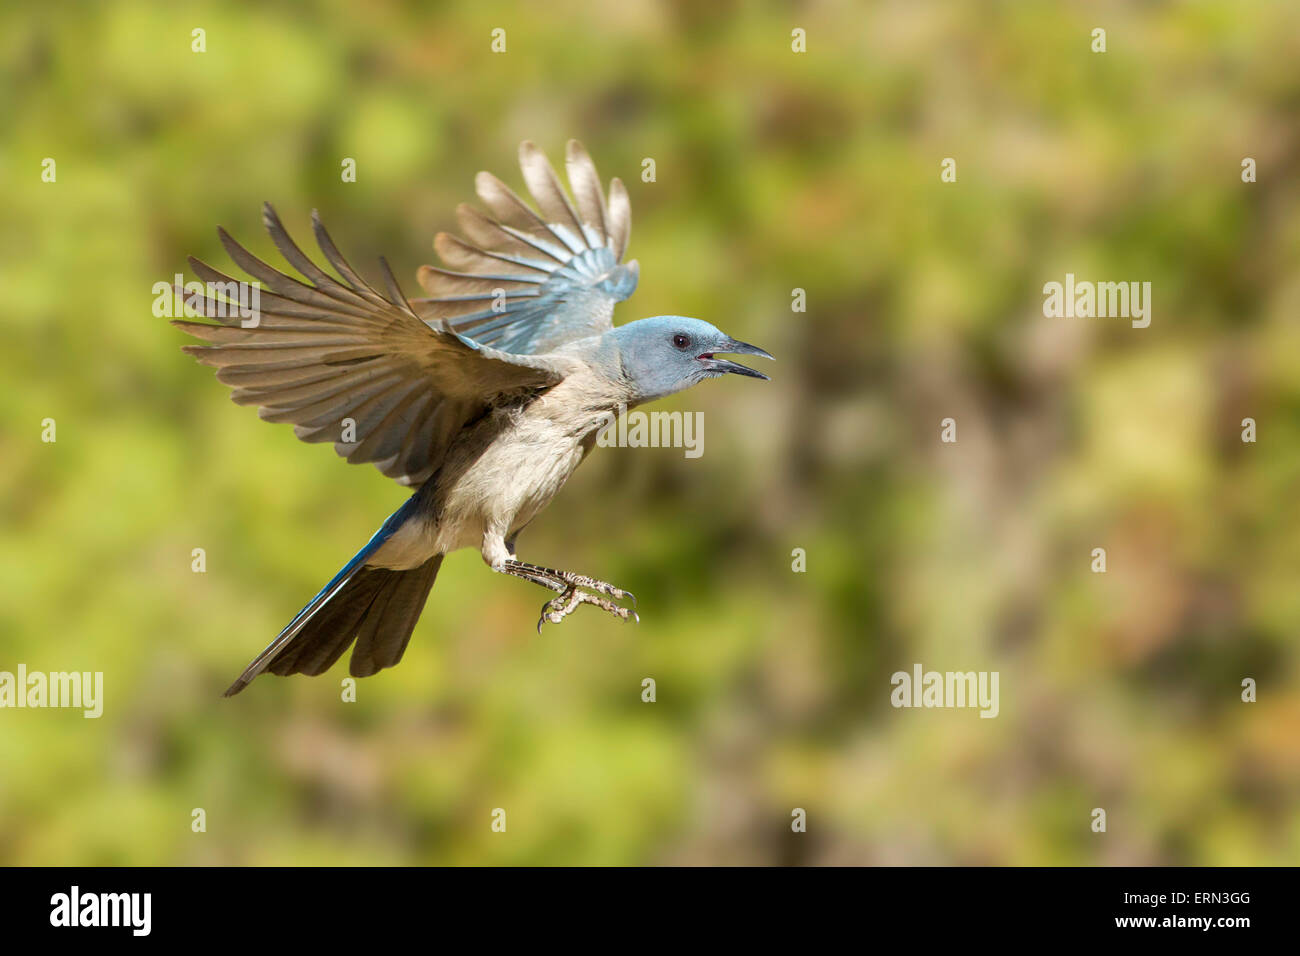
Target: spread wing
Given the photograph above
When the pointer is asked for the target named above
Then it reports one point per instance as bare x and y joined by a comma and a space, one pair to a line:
333, 352
526, 282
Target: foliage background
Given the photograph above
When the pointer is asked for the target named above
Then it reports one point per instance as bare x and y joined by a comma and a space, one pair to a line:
775, 171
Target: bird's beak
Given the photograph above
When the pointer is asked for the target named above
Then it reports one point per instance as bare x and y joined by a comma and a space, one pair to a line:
735, 348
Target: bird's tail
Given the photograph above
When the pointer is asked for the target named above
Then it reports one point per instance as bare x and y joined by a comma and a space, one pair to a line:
376, 607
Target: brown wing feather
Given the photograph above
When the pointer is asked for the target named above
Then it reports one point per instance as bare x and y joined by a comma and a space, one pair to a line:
329, 354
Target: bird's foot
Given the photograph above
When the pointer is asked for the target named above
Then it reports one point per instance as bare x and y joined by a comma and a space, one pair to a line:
558, 608
571, 579
568, 587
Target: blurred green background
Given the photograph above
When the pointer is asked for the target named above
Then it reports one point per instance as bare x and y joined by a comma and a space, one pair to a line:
775, 170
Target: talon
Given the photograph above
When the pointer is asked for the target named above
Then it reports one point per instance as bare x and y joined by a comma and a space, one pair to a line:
568, 586
549, 616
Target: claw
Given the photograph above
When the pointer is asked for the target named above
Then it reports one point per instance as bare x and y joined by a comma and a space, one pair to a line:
567, 586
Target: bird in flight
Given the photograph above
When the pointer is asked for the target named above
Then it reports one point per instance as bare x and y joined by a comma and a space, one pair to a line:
484, 396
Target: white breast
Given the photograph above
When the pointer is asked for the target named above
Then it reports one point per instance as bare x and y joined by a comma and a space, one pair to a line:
513, 464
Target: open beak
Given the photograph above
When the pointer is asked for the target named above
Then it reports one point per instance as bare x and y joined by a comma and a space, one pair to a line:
735, 348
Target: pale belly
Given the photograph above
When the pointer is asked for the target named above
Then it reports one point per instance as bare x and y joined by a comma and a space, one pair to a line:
498, 475
504, 489
492, 483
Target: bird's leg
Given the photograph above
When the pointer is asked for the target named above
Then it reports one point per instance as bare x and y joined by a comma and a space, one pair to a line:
577, 580
567, 584
530, 574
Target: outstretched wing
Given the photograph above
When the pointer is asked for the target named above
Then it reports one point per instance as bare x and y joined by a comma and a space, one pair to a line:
340, 360
528, 283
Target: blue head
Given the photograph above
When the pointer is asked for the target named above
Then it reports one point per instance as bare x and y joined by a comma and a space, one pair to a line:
669, 353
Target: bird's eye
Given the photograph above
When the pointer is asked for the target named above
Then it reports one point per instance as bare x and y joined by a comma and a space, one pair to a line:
681, 341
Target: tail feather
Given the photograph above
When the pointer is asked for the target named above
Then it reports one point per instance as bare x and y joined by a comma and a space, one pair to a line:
324, 638
376, 606
386, 630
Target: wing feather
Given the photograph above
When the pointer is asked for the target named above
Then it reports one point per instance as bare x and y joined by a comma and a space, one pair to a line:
586, 189
545, 186
620, 217
333, 353
529, 281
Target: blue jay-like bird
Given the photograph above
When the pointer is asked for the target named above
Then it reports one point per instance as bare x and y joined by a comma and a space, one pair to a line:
485, 396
